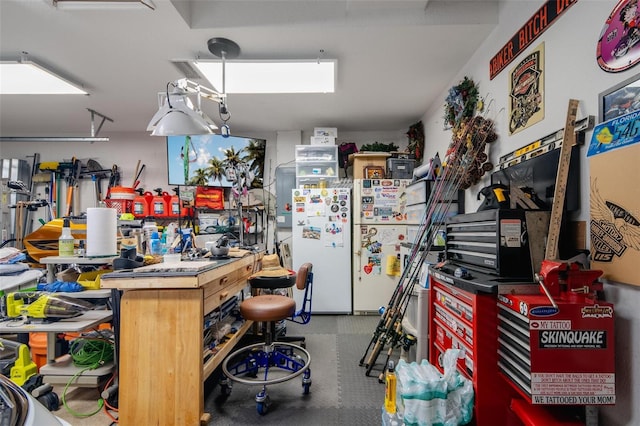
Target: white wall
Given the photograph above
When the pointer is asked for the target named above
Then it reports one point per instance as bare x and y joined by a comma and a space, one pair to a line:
125, 149
571, 71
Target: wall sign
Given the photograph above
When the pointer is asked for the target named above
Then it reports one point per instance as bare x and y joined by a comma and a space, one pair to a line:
618, 48
526, 91
534, 27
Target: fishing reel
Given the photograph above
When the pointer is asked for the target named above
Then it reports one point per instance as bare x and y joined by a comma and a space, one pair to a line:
407, 341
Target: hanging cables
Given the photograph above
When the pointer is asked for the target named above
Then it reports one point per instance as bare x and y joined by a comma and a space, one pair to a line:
88, 353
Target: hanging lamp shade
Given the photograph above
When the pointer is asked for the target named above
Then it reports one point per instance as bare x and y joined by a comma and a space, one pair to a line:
177, 117
179, 123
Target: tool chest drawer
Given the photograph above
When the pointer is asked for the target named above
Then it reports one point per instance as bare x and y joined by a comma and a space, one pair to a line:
453, 325
514, 356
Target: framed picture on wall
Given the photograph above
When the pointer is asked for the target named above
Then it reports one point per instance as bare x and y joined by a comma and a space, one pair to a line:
620, 99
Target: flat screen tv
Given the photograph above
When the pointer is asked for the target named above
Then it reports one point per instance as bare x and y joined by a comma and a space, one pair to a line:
539, 173
203, 159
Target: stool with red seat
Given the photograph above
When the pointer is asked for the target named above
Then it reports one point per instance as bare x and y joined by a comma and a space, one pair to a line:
272, 361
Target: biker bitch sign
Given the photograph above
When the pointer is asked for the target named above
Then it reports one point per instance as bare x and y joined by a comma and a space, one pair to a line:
530, 31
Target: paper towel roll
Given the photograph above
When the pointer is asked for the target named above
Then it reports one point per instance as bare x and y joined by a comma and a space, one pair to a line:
102, 224
422, 171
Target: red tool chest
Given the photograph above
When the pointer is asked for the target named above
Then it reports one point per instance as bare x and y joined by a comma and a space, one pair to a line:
547, 354
467, 320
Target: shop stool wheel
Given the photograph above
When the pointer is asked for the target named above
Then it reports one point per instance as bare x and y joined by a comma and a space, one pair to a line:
266, 364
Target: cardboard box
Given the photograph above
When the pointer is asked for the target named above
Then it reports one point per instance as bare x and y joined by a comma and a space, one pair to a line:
326, 131
362, 160
615, 214
323, 140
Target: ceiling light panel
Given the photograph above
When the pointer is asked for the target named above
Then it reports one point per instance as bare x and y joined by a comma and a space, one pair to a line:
104, 4
28, 78
271, 76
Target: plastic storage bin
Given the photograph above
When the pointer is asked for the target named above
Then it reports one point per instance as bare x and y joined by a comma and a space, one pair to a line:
316, 165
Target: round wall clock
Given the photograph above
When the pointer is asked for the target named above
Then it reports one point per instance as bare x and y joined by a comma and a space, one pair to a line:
619, 44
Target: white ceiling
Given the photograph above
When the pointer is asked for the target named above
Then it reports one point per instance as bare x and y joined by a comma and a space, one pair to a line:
395, 58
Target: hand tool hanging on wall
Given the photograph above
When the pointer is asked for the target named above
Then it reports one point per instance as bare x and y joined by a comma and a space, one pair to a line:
135, 174
97, 174
72, 182
114, 180
57, 169
136, 181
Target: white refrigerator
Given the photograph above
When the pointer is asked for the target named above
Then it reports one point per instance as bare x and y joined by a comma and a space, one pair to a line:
379, 228
321, 234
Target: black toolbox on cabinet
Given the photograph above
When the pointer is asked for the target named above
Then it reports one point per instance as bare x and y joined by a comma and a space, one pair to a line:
508, 243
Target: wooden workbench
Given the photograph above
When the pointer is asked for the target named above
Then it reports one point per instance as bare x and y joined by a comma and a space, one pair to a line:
162, 367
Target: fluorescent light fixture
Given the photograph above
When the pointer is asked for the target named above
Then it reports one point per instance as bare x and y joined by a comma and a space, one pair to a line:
312, 76
103, 4
93, 138
29, 78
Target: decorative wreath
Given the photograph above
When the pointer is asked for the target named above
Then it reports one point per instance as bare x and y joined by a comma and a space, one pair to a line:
461, 102
467, 156
416, 140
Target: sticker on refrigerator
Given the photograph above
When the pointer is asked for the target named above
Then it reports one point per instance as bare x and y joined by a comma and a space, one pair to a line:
393, 265
374, 247
311, 232
316, 207
300, 207
373, 266
389, 236
384, 213
333, 235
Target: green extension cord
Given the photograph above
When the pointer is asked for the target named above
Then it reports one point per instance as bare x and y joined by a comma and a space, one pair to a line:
88, 353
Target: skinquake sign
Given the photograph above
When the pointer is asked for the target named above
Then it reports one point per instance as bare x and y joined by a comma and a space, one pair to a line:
531, 30
576, 339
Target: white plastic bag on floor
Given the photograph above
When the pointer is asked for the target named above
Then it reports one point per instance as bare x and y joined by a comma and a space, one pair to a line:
426, 397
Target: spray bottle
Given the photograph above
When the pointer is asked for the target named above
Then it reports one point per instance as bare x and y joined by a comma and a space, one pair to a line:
66, 240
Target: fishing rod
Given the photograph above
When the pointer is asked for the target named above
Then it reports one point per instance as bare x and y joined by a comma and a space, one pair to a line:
395, 334
460, 157
392, 312
392, 333
386, 320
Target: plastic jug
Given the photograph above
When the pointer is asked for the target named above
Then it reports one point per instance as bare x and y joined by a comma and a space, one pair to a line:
141, 203
176, 209
160, 203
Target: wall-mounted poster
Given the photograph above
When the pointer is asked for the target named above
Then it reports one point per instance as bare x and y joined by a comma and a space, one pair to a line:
618, 48
526, 91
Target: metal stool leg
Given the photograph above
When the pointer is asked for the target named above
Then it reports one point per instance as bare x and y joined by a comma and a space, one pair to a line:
244, 365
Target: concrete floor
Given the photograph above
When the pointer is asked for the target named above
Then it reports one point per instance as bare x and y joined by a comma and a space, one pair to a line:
82, 401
